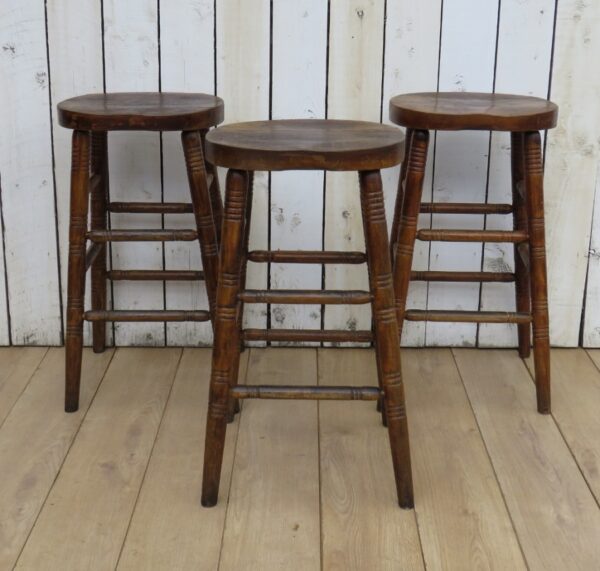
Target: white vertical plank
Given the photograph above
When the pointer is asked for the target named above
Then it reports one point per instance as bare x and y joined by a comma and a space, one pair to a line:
354, 92
187, 64
74, 27
523, 67
298, 91
27, 179
411, 65
467, 64
243, 41
572, 157
131, 59
591, 329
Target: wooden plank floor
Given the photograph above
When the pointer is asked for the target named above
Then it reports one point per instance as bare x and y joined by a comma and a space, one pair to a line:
306, 485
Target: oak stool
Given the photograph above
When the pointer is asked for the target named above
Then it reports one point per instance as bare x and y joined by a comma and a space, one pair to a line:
91, 117
523, 117
304, 145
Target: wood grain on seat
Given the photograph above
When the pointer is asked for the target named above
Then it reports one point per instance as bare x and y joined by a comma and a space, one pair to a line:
305, 144
477, 111
141, 111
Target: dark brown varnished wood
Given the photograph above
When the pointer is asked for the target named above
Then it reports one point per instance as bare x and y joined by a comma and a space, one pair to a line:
307, 257
387, 348
141, 112
472, 111
534, 189
473, 235
80, 166
305, 393
523, 117
151, 207
155, 275
464, 208
304, 335
255, 151
201, 200
305, 144
467, 316
99, 200
438, 276
309, 297
522, 277
147, 316
92, 116
142, 235
226, 347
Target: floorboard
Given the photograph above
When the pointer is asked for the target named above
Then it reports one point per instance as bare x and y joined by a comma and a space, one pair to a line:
273, 515
84, 521
34, 441
173, 481
363, 526
554, 512
462, 517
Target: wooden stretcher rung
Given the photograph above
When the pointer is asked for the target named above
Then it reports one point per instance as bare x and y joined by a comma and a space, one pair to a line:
298, 335
432, 276
147, 316
467, 316
154, 275
464, 208
92, 253
472, 235
305, 393
306, 257
151, 207
316, 297
142, 235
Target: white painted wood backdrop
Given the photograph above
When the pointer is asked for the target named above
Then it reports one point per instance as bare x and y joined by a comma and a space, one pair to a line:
297, 58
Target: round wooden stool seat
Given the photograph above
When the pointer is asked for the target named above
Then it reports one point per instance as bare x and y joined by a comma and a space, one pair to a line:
318, 144
473, 111
141, 112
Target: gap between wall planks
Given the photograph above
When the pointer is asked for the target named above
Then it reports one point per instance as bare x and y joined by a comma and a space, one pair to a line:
81, 59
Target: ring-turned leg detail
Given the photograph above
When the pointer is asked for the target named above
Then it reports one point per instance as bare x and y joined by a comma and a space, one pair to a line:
227, 335
387, 346
534, 190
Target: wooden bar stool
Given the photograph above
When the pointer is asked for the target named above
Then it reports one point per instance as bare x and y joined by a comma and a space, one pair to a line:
91, 117
523, 117
312, 145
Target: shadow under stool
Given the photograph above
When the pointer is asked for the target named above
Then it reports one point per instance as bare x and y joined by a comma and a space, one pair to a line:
91, 117
523, 117
304, 145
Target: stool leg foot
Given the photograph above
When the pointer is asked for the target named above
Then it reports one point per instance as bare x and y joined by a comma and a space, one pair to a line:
80, 168
534, 189
99, 201
407, 228
386, 331
522, 289
227, 335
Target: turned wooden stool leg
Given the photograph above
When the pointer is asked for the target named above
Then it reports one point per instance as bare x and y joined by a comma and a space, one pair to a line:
534, 190
234, 404
80, 169
407, 232
395, 234
386, 330
227, 335
99, 200
201, 201
522, 289
216, 200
